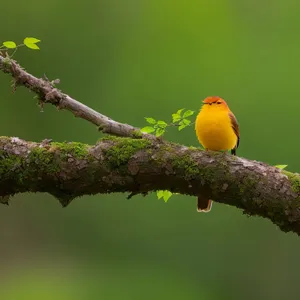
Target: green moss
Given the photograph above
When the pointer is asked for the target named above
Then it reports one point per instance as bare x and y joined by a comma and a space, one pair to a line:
122, 149
137, 134
8, 163
216, 174
191, 169
78, 150
111, 138
149, 151
294, 179
45, 159
186, 163
195, 148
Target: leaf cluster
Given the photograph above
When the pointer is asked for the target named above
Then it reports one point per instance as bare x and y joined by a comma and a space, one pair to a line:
179, 119
29, 42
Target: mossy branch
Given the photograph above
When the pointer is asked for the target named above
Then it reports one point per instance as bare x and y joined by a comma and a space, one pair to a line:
138, 163
139, 166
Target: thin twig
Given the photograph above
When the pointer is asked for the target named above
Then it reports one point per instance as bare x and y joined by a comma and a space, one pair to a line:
47, 93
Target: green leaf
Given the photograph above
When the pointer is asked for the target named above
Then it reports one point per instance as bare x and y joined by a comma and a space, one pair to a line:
281, 166
176, 118
162, 124
148, 129
160, 131
167, 195
179, 111
185, 122
151, 120
164, 194
160, 194
32, 46
30, 42
188, 113
10, 44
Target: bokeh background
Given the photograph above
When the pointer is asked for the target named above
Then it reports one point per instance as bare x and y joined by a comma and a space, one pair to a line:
136, 58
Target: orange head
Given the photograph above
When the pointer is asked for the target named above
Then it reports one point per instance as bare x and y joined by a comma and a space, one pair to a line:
215, 102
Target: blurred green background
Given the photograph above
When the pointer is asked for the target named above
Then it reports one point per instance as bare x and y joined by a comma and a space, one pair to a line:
130, 59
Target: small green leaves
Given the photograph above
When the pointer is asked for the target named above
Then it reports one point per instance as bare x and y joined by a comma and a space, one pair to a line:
183, 123
181, 127
167, 195
160, 194
159, 127
162, 124
148, 129
179, 111
281, 166
31, 43
164, 194
188, 113
31, 40
177, 116
178, 119
150, 120
186, 122
159, 131
10, 45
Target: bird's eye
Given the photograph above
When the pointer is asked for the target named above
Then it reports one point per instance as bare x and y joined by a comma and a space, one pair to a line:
219, 102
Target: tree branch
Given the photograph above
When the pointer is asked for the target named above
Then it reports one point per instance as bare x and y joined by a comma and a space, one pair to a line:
48, 93
138, 164
69, 170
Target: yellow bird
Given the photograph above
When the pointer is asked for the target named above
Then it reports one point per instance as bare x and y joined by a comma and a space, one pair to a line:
217, 129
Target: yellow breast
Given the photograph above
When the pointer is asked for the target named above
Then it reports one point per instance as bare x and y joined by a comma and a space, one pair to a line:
214, 130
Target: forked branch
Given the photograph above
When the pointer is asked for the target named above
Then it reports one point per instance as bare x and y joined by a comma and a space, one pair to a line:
138, 163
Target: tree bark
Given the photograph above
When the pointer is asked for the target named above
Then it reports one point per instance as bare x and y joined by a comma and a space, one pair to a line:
138, 163
140, 166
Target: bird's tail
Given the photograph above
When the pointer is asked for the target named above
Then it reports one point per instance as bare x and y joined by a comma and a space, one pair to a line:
204, 204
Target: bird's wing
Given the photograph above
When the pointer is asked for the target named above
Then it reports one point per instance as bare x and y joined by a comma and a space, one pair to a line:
236, 129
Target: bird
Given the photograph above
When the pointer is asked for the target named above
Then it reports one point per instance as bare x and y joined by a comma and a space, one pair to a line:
217, 129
